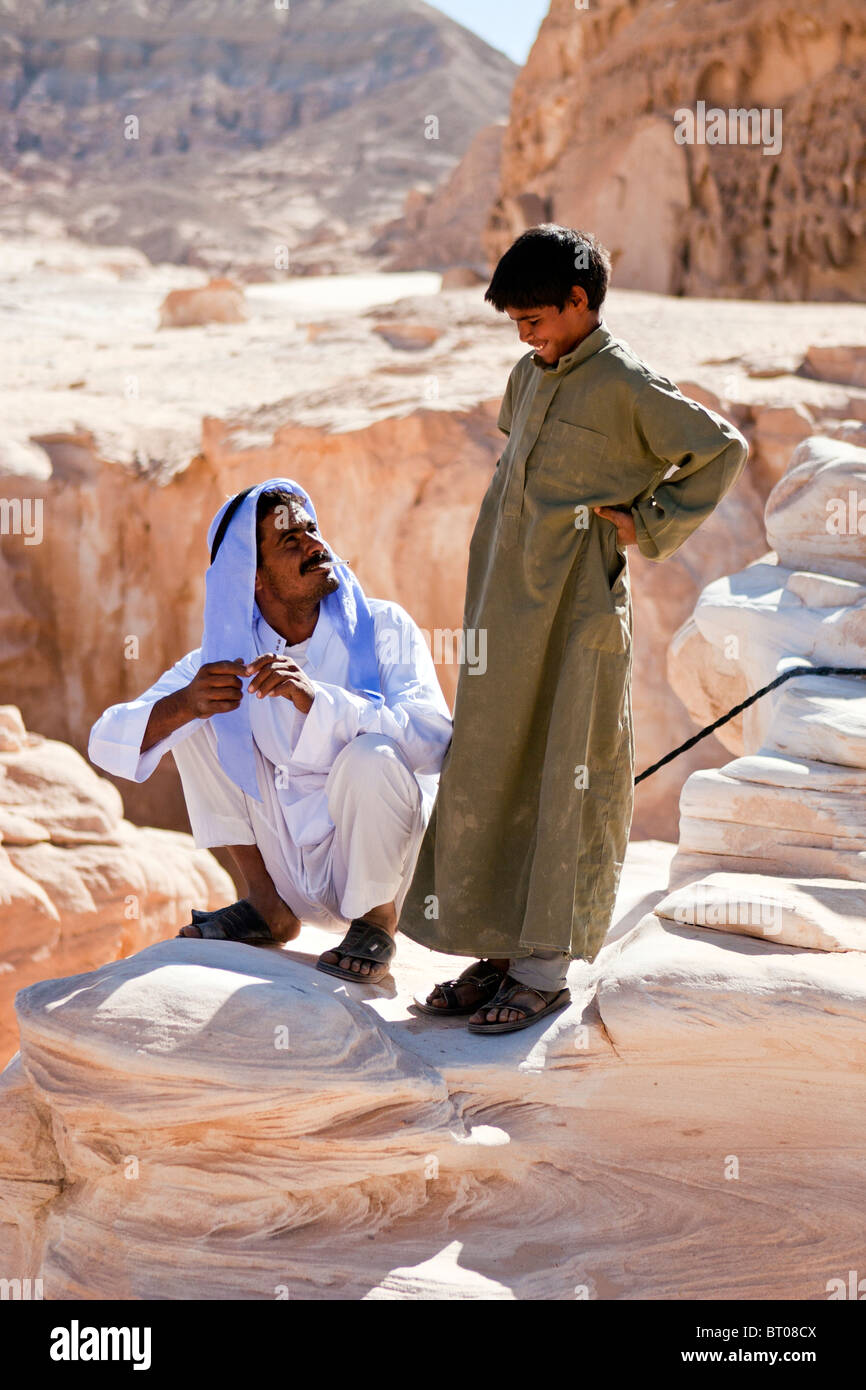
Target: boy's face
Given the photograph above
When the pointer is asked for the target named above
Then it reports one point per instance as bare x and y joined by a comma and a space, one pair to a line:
553, 332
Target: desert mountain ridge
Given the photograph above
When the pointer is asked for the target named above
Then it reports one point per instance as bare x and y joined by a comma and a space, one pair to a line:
291, 132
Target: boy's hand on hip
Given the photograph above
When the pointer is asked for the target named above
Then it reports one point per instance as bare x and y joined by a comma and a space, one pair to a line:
623, 521
279, 675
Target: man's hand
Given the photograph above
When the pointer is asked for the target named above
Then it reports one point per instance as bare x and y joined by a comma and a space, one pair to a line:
279, 675
623, 521
215, 688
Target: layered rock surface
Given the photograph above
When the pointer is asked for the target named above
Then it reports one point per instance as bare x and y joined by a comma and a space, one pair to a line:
79, 885
783, 825
210, 1120
591, 144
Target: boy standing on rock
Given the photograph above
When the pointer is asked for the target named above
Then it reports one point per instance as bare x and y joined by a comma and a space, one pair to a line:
522, 856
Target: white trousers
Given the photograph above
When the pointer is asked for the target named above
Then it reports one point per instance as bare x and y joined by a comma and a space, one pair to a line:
367, 859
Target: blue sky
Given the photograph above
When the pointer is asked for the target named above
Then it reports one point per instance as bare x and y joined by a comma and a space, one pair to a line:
510, 25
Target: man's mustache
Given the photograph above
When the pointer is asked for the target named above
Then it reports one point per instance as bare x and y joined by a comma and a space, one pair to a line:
315, 560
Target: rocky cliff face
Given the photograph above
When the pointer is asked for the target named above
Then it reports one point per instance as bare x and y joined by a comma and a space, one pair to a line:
220, 133
591, 144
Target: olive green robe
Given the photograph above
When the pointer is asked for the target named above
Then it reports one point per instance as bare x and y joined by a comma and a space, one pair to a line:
525, 845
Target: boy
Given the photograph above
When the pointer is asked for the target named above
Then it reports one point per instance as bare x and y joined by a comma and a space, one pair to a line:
522, 856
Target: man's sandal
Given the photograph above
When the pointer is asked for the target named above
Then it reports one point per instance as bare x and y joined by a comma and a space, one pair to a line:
552, 1000
240, 922
486, 977
363, 941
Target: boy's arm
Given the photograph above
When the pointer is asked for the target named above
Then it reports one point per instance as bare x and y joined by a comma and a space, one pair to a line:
708, 453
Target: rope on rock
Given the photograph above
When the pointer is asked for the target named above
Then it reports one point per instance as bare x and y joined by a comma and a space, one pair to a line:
732, 713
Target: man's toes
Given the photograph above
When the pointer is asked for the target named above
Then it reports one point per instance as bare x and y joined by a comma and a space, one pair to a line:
190, 930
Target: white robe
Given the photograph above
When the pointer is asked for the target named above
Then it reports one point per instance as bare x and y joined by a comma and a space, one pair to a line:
332, 829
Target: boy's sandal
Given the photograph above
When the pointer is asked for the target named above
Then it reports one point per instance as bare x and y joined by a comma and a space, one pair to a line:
240, 922
363, 941
551, 1000
486, 977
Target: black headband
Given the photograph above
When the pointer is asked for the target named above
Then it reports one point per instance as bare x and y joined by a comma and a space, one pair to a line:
226, 518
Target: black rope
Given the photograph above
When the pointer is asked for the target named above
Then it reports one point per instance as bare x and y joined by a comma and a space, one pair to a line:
732, 713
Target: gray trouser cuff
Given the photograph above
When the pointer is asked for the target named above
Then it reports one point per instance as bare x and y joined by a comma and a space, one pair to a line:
544, 970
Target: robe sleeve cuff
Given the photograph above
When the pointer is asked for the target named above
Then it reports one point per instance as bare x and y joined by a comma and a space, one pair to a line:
647, 535
116, 738
335, 717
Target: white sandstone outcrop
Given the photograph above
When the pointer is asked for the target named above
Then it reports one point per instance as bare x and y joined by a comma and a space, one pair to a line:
784, 823
209, 1120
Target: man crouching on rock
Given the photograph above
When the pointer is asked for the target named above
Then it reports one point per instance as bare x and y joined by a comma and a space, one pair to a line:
319, 777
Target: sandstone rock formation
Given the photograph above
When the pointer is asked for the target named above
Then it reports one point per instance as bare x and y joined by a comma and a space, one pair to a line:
783, 824
79, 885
233, 135
591, 144
219, 301
444, 227
209, 1120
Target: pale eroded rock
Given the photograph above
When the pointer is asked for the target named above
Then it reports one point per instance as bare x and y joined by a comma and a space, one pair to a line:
80, 885
208, 1120
792, 807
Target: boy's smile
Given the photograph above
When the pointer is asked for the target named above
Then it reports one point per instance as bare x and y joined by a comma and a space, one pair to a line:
554, 332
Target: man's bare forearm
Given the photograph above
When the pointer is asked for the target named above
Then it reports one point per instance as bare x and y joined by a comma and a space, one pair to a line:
168, 714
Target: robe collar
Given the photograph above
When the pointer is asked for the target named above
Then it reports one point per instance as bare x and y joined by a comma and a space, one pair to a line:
587, 347
318, 639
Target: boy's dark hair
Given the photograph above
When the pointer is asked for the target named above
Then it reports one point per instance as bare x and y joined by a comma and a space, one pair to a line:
267, 503
542, 266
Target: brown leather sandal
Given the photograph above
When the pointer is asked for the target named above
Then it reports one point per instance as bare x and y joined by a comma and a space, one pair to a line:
486, 977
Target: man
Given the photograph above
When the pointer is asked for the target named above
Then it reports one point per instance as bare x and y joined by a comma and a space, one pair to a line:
522, 856
308, 729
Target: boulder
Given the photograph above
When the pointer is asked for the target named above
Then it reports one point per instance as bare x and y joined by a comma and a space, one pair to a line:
219, 301
79, 885
207, 1120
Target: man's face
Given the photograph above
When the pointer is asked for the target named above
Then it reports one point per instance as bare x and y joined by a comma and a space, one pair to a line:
553, 332
296, 567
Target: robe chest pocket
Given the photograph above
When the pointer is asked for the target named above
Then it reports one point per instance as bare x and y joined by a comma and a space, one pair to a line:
570, 453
